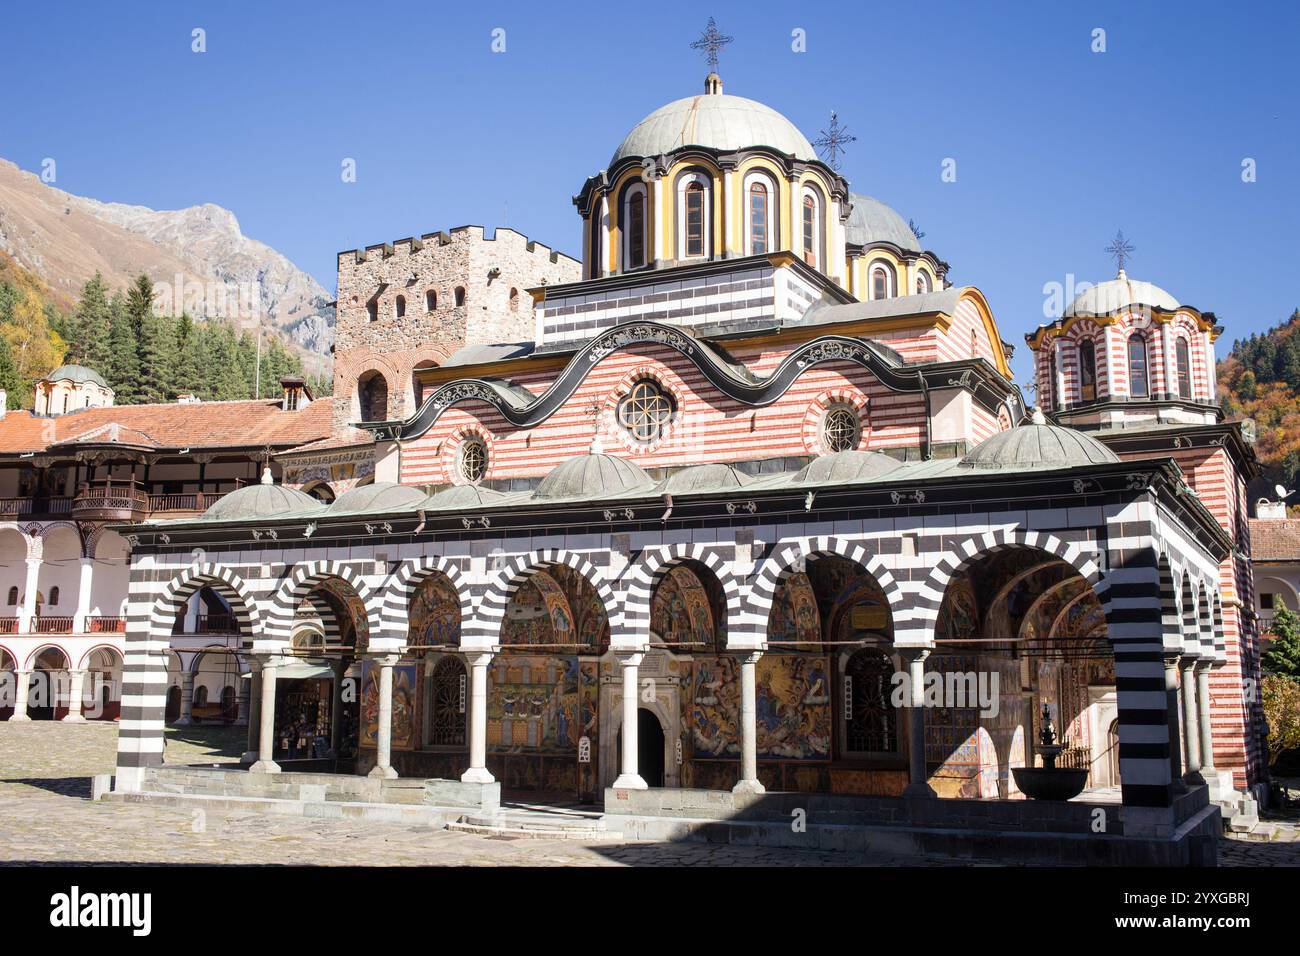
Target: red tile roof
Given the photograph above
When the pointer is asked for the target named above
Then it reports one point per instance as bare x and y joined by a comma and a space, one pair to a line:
1275, 539
198, 425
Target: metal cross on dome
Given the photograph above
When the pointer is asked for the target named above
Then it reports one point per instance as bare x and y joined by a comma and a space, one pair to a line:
711, 41
1120, 249
832, 142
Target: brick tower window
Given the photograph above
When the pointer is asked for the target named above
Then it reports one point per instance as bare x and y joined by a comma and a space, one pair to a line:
460, 295
473, 460
399, 309
430, 301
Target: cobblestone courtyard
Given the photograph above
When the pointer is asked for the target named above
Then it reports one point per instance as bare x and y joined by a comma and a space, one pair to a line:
46, 816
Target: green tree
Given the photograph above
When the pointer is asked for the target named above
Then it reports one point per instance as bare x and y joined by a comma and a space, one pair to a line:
158, 358
9, 379
1283, 654
122, 370
1281, 699
88, 327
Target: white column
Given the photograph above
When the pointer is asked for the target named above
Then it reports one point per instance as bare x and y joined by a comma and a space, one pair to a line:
478, 772
266, 738
918, 782
1191, 735
336, 706
1171, 709
629, 778
245, 692
83, 596
748, 782
1203, 717
728, 216
78, 683
187, 699
384, 732
29, 596
22, 681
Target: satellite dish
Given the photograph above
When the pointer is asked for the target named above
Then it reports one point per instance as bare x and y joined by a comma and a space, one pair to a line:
1282, 493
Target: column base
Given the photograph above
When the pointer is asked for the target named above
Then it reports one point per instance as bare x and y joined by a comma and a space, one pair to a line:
749, 787
382, 773
183, 722
249, 757
630, 781
919, 790
19, 717
1194, 779
73, 719
240, 722
477, 775
265, 766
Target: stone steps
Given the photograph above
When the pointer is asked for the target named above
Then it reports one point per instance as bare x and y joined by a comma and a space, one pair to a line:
538, 824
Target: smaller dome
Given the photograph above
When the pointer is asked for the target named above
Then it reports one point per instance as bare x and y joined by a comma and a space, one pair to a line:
377, 496
592, 476
76, 373
846, 467
1037, 446
872, 221
1116, 295
461, 496
261, 501
714, 477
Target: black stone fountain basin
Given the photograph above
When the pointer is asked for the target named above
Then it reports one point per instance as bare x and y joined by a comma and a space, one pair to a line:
1050, 783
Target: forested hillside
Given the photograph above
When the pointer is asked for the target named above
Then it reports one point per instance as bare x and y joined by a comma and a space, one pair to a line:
1260, 379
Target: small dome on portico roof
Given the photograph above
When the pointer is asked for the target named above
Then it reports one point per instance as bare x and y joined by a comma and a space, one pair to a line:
846, 467
261, 501
593, 476
377, 496
1038, 446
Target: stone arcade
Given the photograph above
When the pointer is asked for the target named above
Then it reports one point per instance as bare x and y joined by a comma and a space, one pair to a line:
666, 555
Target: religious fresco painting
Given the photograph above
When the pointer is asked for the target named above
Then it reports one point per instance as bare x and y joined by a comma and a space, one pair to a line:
405, 677
434, 614
682, 612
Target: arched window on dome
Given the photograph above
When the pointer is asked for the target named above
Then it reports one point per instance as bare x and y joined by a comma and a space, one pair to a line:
693, 216
1087, 371
460, 296
514, 300
883, 279
923, 283
634, 227
1052, 369
430, 300
399, 307
1183, 360
758, 206
1138, 382
811, 220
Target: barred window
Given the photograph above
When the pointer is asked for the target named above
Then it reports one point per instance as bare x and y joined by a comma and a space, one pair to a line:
870, 719
448, 704
646, 411
840, 429
473, 460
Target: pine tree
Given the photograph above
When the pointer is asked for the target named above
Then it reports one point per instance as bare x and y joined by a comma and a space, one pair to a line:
189, 375
89, 326
1283, 654
139, 303
158, 358
122, 370
9, 380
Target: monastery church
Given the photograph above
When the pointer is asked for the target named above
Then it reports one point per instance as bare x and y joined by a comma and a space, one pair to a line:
741, 513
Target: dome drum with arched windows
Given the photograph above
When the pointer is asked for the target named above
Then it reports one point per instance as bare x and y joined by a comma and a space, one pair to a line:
1125, 353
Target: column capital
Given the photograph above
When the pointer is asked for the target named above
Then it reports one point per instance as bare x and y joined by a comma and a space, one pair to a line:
385, 658
629, 658
913, 655
746, 655
478, 658
1205, 665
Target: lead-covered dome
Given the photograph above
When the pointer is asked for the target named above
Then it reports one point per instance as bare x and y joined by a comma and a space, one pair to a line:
846, 467
76, 373
1120, 294
593, 476
871, 221
1028, 447
715, 121
377, 496
261, 501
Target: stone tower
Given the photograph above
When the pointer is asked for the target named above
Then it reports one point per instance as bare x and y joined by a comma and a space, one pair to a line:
412, 303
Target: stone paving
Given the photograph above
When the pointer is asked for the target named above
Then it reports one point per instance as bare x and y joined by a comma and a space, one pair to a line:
46, 816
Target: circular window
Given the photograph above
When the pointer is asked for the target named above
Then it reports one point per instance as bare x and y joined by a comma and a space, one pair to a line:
473, 460
840, 429
646, 411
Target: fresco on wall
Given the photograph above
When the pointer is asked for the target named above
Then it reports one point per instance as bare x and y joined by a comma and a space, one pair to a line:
556, 606
534, 704
793, 707
348, 609
404, 694
681, 612
794, 615
959, 615
434, 614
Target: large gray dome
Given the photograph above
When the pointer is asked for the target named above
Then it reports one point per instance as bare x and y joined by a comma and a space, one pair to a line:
871, 221
710, 477
1027, 447
591, 476
377, 496
76, 373
846, 467
261, 501
716, 121
1117, 295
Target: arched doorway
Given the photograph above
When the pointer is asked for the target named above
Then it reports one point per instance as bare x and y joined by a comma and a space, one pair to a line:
372, 397
47, 695
441, 720
650, 747
324, 695
102, 690
8, 678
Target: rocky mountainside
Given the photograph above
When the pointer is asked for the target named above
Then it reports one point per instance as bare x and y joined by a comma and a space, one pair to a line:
65, 239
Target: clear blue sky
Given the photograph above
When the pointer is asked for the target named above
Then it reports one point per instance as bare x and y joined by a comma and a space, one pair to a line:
1056, 146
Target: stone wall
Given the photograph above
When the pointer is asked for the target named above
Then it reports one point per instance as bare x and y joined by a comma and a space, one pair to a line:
496, 306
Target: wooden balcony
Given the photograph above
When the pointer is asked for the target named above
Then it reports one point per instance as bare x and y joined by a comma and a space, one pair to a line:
105, 625
109, 502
